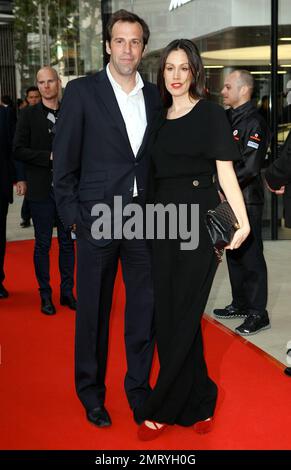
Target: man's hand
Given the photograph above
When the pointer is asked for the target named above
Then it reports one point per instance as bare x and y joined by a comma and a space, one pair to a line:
276, 191
21, 188
280, 191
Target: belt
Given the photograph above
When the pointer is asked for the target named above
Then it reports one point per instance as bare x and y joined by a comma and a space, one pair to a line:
201, 181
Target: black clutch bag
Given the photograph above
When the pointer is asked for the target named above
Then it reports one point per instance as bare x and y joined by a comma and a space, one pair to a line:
221, 224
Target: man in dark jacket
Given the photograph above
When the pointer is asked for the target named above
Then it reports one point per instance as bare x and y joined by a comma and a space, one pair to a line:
278, 175
7, 177
33, 145
32, 97
247, 266
99, 153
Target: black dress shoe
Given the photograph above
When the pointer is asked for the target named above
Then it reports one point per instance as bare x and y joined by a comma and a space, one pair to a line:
47, 306
3, 292
99, 417
69, 301
287, 371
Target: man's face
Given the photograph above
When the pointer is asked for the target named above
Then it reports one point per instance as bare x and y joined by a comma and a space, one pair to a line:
48, 84
231, 90
126, 47
33, 97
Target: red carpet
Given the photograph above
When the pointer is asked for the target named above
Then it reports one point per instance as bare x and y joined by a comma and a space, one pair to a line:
39, 408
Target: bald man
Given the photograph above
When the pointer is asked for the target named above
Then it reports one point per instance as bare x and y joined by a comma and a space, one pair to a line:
247, 266
33, 145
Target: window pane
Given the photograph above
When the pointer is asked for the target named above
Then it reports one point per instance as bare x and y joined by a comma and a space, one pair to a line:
284, 109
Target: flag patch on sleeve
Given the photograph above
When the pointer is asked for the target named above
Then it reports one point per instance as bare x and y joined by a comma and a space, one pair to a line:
252, 144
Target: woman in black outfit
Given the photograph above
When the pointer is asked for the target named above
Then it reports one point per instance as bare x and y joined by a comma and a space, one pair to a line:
192, 141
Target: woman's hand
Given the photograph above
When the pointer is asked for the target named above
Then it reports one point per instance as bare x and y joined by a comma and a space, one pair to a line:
239, 237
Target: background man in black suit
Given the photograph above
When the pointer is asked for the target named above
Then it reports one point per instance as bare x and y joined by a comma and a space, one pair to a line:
33, 144
99, 153
32, 97
278, 175
7, 177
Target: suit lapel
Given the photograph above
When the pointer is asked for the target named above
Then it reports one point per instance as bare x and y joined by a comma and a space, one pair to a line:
42, 122
149, 114
107, 95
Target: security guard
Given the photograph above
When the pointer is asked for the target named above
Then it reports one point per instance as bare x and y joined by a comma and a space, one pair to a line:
247, 266
278, 175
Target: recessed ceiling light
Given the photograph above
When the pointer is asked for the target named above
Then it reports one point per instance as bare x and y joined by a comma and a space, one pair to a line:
266, 72
248, 54
260, 72
213, 66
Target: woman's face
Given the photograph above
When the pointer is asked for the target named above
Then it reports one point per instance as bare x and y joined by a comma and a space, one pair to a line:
177, 73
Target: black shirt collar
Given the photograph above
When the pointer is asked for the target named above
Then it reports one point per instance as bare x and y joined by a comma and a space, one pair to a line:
241, 110
49, 110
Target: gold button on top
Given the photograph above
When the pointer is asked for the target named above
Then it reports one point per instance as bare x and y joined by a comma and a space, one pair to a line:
195, 183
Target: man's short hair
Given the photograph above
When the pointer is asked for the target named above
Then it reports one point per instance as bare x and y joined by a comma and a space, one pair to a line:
127, 16
7, 100
31, 88
246, 78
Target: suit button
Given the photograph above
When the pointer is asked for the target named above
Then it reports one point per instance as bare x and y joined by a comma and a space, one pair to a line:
136, 164
195, 183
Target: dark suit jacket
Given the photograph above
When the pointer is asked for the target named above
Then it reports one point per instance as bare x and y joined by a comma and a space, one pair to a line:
279, 174
7, 170
32, 145
93, 159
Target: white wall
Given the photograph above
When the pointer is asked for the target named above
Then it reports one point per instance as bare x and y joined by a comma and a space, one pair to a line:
201, 17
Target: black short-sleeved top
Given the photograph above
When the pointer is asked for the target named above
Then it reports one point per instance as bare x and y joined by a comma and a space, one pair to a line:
189, 145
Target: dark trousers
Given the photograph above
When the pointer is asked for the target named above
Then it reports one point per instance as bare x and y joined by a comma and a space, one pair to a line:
96, 272
247, 267
25, 210
44, 214
3, 219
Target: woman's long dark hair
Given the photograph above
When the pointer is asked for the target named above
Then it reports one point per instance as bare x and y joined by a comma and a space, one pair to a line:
197, 87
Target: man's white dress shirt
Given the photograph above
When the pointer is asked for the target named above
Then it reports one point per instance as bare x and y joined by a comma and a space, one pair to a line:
132, 107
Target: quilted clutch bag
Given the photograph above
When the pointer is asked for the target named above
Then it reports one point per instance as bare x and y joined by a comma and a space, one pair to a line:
221, 224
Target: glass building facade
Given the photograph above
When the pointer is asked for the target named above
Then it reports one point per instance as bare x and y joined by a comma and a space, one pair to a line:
69, 34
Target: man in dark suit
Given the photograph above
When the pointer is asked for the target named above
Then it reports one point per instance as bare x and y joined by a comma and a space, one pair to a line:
33, 145
278, 175
99, 153
7, 177
32, 97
